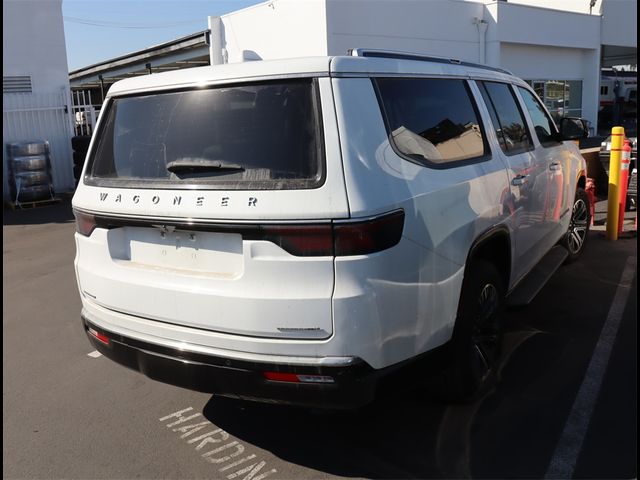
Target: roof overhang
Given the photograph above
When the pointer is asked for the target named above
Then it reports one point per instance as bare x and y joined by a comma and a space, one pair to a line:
613, 55
184, 52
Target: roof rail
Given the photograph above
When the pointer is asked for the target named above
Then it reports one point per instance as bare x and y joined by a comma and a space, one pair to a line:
370, 52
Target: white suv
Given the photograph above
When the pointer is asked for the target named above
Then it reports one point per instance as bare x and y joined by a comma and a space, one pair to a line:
295, 231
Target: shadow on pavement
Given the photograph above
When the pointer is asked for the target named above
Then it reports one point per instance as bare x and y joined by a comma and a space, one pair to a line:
390, 439
56, 213
406, 435
511, 432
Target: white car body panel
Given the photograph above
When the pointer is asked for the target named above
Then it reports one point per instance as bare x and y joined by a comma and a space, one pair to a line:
250, 299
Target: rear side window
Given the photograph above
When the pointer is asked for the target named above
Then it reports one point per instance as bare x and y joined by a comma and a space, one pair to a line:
542, 123
506, 116
259, 136
432, 121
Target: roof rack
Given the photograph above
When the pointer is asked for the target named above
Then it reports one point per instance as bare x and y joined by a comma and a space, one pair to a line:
370, 52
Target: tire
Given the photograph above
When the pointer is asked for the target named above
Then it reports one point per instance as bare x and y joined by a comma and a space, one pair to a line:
31, 179
77, 171
78, 159
477, 336
80, 143
25, 149
37, 192
29, 164
576, 237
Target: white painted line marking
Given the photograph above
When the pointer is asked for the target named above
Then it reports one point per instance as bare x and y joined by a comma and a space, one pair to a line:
229, 450
94, 354
566, 453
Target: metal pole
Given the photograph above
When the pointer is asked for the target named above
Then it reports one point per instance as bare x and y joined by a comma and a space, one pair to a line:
617, 139
216, 39
101, 88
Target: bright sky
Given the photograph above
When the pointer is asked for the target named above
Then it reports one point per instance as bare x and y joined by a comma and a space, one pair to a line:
98, 30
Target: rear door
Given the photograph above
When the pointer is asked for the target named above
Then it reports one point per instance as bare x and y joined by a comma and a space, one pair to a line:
211, 208
527, 173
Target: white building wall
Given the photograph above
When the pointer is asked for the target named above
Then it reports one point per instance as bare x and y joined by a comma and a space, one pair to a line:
435, 27
33, 44
539, 26
277, 29
542, 62
619, 23
577, 6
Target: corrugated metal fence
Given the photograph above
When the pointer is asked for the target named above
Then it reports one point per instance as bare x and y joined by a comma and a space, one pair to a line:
29, 116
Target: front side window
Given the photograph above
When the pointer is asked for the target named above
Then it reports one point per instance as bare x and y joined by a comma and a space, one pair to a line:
543, 125
506, 116
259, 136
432, 121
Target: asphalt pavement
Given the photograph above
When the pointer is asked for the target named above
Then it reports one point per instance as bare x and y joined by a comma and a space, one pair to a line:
565, 400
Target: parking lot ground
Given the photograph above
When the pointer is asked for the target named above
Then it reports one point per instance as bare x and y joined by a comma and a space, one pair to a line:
67, 414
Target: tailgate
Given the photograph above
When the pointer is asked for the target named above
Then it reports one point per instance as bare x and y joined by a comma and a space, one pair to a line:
209, 280
210, 208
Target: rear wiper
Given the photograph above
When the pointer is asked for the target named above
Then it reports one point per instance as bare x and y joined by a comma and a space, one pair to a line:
190, 164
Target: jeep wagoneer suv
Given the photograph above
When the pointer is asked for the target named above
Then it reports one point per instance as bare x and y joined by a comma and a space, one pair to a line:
294, 231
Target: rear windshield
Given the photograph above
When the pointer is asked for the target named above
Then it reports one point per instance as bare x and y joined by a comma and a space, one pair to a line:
258, 136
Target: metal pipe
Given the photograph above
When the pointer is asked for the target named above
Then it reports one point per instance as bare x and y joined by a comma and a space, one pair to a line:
216, 40
482, 34
101, 88
617, 139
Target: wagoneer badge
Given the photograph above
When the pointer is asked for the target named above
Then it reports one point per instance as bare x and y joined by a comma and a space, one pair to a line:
176, 200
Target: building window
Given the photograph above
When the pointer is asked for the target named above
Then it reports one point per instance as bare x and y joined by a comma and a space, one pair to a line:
16, 84
604, 90
563, 98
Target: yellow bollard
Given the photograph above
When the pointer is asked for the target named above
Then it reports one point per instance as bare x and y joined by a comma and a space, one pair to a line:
617, 141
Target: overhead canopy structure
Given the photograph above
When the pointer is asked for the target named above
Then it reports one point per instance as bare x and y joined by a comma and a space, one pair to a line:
185, 52
613, 55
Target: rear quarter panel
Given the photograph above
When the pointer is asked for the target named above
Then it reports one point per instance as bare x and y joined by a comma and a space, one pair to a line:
413, 299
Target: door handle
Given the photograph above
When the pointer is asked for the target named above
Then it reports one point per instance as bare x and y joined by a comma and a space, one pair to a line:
519, 180
555, 166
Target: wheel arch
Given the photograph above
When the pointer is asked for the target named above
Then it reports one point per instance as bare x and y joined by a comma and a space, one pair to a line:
582, 180
493, 245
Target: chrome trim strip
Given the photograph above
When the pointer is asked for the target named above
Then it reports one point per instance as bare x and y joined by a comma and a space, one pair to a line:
205, 222
219, 352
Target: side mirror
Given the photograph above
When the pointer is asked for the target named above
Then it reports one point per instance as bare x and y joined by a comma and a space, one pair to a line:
573, 128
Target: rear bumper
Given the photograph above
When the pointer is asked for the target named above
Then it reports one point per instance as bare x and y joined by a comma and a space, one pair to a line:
354, 384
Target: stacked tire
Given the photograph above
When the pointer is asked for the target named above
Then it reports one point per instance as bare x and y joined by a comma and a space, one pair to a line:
29, 171
80, 145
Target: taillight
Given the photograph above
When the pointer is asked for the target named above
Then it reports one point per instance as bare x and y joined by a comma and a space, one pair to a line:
340, 238
360, 238
98, 336
297, 378
85, 223
300, 240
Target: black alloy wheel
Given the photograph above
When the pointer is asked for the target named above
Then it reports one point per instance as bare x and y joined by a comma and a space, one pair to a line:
576, 237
